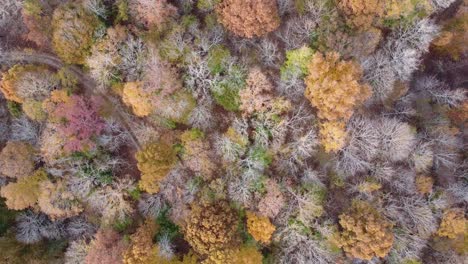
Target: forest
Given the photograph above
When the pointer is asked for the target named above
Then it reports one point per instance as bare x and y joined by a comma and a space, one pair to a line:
233, 131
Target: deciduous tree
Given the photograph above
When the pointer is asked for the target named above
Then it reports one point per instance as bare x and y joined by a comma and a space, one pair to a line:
25, 192
73, 31
249, 18
211, 227
260, 227
17, 159
107, 247
366, 234
155, 161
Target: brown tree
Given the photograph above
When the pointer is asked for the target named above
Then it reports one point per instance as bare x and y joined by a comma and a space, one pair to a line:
249, 18
211, 227
17, 159
107, 247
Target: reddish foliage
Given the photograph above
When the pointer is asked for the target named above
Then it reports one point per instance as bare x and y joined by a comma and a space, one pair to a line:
80, 122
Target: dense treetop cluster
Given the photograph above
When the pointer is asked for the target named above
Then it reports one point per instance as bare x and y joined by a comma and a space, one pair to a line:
233, 131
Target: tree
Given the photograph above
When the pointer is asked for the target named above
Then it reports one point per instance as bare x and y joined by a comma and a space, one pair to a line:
361, 14
273, 201
296, 63
256, 96
56, 201
332, 135
134, 96
211, 227
76, 252
22, 82
73, 31
155, 161
197, 154
260, 227
107, 247
82, 122
151, 13
33, 110
424, 184
141, 249
32, 228
249, 18
25, 192
17, 159
10, 17
334, 88
112, 201
453, 223
365, 233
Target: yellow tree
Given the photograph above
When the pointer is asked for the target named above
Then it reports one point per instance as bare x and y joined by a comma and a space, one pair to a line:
260, 227
154, 162
211, 227
334, 88
366, 234
25, 192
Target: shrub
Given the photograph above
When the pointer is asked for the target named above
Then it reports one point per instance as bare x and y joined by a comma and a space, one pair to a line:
25, 192
17, 159
453, 223
365, 233
260, 227
155, 161
73, 32
107, 247
248, 18
211, 227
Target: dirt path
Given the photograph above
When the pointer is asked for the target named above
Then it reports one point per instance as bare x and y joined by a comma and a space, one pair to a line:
88, 83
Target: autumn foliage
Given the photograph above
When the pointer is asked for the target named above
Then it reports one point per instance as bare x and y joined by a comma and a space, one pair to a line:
334, 88
73, 32
361, 14
25, 192
211, 227
17, 159
260, 227
79, 122
248, 18
107, 247
154, 162
366, 234
453, 223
